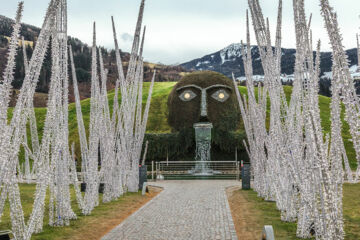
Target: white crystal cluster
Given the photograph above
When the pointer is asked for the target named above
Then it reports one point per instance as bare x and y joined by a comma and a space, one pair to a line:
293, 162
117, 138
342, 78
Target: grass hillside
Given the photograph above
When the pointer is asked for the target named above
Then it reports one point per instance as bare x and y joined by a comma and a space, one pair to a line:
324, 103
157, 121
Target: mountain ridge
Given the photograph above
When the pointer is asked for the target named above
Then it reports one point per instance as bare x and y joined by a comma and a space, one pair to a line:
229, 60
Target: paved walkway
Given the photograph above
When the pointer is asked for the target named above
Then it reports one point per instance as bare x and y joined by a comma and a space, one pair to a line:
184, 210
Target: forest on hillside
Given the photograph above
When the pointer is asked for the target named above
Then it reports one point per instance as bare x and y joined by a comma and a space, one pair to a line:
82, 59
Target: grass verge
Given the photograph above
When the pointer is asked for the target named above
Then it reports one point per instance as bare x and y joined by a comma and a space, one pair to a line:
103, 218
251, 213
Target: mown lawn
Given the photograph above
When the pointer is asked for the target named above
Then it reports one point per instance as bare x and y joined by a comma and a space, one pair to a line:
324, 103
102, 219
157, 121
266, 213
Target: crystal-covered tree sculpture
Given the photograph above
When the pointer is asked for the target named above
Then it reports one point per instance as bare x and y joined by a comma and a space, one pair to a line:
292, 162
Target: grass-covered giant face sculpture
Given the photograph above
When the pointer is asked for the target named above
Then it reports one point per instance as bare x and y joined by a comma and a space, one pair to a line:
204, 97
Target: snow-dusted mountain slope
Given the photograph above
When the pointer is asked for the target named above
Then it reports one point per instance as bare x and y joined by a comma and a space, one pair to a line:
229, 60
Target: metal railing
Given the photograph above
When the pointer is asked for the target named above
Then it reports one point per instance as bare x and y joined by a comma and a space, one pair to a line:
183, 170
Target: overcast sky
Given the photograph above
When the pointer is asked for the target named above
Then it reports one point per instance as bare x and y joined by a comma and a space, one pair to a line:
181, 30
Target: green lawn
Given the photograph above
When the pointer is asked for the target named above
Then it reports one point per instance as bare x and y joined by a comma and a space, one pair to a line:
157, 121
105, 216
267, 214
324, 103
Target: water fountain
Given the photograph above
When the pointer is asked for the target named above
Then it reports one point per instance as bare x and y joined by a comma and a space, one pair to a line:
203, 146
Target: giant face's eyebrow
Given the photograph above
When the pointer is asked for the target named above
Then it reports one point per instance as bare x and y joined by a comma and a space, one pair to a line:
218, 86
189, 86
200, 88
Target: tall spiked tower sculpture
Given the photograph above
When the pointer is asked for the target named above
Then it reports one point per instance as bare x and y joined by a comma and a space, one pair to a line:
59, 182
132, 121
358, 51
302, 169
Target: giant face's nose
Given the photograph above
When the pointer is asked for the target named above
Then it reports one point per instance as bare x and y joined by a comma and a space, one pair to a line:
203, 103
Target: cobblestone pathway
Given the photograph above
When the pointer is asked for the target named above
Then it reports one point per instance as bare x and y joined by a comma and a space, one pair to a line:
186, 210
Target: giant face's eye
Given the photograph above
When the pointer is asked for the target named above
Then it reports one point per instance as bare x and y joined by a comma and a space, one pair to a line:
220, 95
187, 95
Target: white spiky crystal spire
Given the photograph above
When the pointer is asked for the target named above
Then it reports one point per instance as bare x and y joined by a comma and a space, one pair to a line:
358, 50
293, 163
118, 137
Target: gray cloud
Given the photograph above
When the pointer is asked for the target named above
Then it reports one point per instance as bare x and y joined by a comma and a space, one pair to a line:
179, 31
